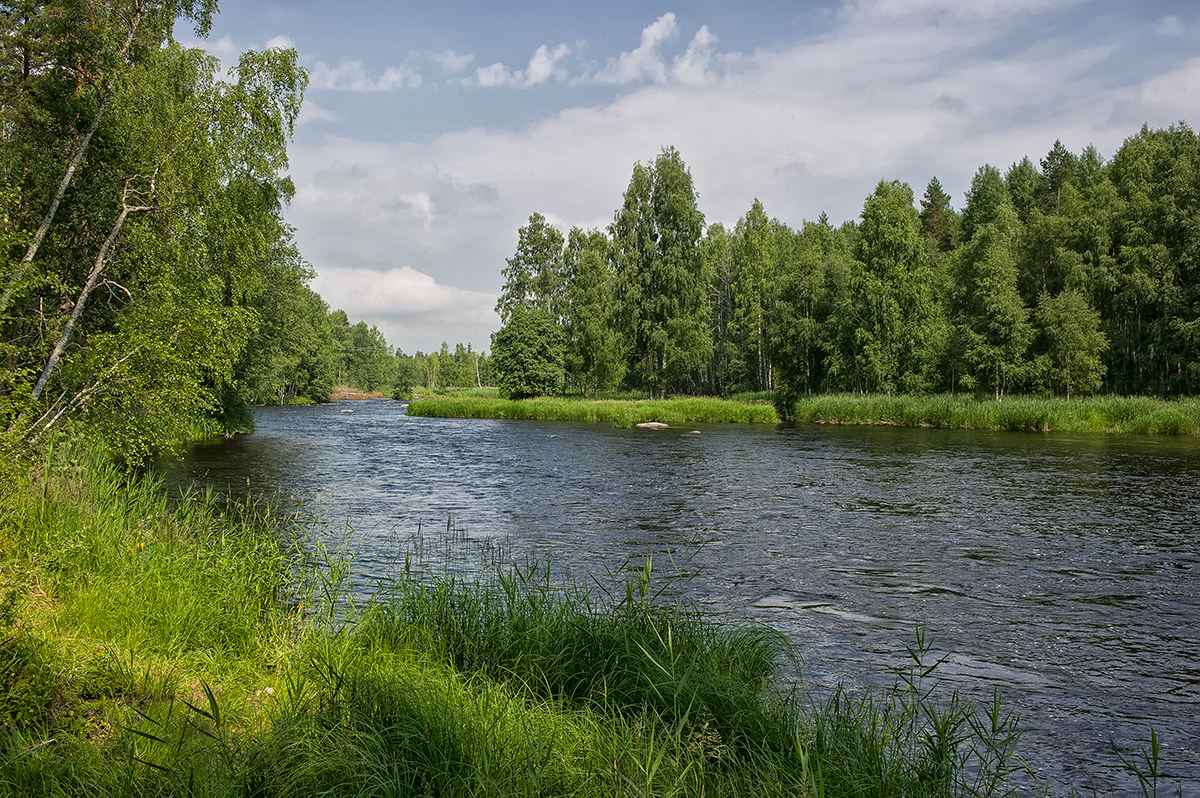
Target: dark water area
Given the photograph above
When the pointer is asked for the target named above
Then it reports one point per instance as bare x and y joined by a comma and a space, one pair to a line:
1063, 569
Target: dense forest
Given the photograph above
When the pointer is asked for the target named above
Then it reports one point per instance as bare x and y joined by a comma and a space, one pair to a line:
1072, 276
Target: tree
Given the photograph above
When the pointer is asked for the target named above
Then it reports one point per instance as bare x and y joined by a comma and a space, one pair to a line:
1070, 342
755, 259
594, 354
987, 195
889, 330
527, 354
939, 222
533, 276
188, 164
659, 272
813, 264
726, 366
991, 324
1153, 312
1026, 187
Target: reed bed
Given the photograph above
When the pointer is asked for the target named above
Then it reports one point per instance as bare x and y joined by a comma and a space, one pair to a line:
154, 647
1110, 414
621, 413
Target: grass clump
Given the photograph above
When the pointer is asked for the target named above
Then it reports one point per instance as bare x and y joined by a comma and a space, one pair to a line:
1110, 414
620, 412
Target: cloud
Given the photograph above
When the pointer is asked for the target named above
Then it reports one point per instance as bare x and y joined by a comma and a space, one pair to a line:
1163, 100
280, 43
692, 65
645, 62
311, 112
451, 61
408, 305
543, 65
349, 75
807, 128
1171, 26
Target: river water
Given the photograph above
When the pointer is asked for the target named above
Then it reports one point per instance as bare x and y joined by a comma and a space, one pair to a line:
1063, 569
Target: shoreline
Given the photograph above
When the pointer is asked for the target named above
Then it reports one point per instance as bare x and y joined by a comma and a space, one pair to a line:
1096, 414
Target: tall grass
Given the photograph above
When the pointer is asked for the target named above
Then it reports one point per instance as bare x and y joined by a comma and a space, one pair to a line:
622, 413
1036, 414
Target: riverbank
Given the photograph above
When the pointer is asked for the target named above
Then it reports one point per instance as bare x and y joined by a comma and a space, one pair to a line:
621, 412
162, 648
1109, 414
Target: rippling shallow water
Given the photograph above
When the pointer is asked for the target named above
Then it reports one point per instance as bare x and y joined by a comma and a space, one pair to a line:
1063, 569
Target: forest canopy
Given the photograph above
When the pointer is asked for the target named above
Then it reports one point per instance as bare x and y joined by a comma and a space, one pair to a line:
1074, 275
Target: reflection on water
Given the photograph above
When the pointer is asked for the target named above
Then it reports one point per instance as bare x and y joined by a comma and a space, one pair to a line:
1062, 569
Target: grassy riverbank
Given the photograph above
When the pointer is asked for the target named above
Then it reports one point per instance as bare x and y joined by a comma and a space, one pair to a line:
1036, 414
621, 412
153, 648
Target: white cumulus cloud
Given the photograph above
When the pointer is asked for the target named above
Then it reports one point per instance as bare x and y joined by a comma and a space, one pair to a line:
543, 65
451, 61
645, 62
692, 66
411, 309
350, 75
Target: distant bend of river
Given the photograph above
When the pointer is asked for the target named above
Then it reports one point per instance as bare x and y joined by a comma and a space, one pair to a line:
1062, 568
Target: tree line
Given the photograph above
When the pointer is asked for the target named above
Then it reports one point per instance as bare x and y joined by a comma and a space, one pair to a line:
147, 277
1072, 276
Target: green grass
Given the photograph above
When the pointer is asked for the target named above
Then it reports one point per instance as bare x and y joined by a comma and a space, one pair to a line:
1091, 414
159, 648
622, 413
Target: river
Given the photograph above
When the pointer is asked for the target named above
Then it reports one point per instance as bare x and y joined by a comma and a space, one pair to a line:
1063, 569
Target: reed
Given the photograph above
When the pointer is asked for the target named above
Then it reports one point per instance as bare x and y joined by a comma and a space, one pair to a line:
619, 412
1108, 414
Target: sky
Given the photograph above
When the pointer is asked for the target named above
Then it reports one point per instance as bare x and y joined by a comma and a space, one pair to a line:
431, 131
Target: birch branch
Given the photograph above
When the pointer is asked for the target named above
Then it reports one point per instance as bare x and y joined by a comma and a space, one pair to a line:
97, 269
44, 228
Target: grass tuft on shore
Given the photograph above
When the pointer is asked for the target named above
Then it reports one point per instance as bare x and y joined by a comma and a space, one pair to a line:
620, 412
1110, 414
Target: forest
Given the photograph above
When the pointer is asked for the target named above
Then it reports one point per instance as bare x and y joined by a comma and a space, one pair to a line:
149, 279
1075, 275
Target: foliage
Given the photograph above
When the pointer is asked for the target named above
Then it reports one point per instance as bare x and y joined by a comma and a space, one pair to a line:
622, 413
659, 276
144, 284
1068, 265
527, 354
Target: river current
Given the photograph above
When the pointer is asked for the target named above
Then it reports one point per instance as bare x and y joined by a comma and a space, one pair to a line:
1063, 569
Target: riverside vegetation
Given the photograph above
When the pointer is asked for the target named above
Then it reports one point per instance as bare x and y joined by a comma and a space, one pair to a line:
1031, 414
156, 647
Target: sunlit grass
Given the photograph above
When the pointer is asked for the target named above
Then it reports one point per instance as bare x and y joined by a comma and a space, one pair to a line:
1017, 413
620, 412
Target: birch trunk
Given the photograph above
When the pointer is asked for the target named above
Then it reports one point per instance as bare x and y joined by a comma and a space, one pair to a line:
44, 228
89, 286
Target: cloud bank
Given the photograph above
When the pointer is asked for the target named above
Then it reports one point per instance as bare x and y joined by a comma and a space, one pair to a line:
890, 89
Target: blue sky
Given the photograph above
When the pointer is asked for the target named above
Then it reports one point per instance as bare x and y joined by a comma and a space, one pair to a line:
431, 131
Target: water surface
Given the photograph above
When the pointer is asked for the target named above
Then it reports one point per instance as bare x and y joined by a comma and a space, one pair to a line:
1062, 569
